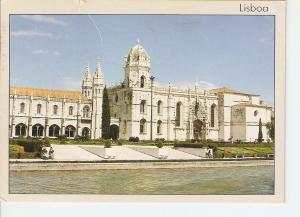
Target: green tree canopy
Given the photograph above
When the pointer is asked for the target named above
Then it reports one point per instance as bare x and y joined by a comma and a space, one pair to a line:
260, 135
105, 116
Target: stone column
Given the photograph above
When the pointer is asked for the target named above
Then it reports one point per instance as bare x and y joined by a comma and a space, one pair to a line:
168, 111
78, 128
46, 131
13, 129
29, 129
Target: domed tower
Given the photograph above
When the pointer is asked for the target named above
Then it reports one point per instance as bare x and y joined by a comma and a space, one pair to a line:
87, 83
98, 86
137, 67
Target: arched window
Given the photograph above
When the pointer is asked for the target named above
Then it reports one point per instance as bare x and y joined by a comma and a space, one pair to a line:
22, 107
255, 113
37, 130
212, 115
116, 98
70, 131
20, 130
178, 114
142, 81
159, 127
86, 111
55, 108
71, 110
143, 106
54, 130
86, 132
39, 108
142, 126
159, 107
125, 127
197, 105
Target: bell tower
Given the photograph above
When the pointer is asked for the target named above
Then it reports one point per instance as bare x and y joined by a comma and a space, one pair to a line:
97, 98
137, 67
87, 83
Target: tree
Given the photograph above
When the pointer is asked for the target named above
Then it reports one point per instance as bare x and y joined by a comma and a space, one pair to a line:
105, 116
271, 129
260, 135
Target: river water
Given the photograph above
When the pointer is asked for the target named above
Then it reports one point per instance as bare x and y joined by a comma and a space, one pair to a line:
230, 180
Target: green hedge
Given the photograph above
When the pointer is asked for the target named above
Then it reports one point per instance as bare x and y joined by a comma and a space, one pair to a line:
188, 145
31, 145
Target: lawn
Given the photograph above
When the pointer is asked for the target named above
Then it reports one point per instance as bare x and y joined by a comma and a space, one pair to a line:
253, 151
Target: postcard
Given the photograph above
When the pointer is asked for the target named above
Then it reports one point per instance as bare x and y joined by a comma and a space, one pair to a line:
165, 101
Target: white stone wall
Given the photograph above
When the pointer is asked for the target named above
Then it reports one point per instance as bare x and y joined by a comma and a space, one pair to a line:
245, 122
252, 122
238, 123
46, 117
244, 126
132, 98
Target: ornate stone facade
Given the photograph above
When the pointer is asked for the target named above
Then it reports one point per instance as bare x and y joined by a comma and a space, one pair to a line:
139, 108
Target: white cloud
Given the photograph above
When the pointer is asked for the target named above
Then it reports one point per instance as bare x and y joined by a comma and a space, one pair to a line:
40, 51
56, 53
44, 19
46, 52
31, 33
204, 85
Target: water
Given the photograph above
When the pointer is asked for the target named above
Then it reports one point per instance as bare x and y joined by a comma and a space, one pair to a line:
230, 180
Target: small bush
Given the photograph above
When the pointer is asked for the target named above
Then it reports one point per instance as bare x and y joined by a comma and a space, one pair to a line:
107, 144
119, 142
13, 151
159, 144
134, 139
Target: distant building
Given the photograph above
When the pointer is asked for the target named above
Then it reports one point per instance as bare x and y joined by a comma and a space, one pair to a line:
177, 114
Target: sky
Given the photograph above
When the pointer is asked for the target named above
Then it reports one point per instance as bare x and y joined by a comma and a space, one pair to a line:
51, 51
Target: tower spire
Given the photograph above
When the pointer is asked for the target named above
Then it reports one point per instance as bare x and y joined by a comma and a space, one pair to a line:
98, 68
87, 74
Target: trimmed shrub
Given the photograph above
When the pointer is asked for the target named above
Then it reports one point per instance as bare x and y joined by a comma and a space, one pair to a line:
107, 144
81, 138
134, 139
30, 145
159, 144
188, 145
119, 142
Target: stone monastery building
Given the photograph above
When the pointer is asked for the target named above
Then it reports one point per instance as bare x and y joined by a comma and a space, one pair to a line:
177, 114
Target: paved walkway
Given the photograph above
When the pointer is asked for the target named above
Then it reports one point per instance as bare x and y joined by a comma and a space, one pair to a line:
73, 152
122, 153
90, 153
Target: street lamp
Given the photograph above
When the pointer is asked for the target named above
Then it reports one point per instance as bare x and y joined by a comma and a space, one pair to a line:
151, 116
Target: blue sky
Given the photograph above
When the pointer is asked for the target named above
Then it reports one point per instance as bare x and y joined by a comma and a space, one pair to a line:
233, 51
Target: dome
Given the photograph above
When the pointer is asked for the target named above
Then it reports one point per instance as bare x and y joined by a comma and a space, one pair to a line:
138, 56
